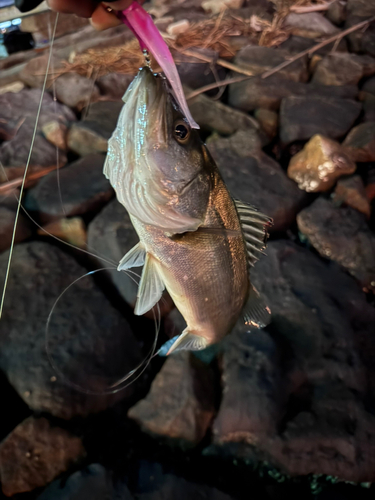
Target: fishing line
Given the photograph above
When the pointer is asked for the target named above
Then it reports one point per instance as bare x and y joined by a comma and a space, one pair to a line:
26, 170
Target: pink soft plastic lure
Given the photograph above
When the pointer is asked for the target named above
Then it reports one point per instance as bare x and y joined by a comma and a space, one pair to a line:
142, 25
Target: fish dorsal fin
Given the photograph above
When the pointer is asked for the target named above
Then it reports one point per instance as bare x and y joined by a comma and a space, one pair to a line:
150, 287
134, 258
256, 312
254, 226
188, 341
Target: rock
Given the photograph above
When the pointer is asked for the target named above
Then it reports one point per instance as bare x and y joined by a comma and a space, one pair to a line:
309, 25
369, 109
342, 235
76, 343
338, 69
55, 133
34, 454
92, 133
81, 184
361, 41
255, 178
267, 93
215, 116
294, 110
258, 60
216, 6
360, 142
92, 483
269, 121
14, 87
33, 72
114, 85
180, 404
71, 230
368, 89
297, 44
75, 90
250, 408
178, 27
320, 163
352, 193
362, 8
336, 12
7, 218
42, 22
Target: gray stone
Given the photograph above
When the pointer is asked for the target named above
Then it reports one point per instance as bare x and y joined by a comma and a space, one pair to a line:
330, 117
309, 25
255, 178
258, 60
338, 69
91, 134
114, 85
75, 189
75, 90
267, 93
34, 71
296, 44
342, 235
180, 404
7, 218
361, 41
89, 341
34, 454
336, 12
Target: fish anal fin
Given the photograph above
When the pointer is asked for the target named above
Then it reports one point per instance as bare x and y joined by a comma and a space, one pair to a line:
254, 227
188, 341
150, 288
134, 258
256, 313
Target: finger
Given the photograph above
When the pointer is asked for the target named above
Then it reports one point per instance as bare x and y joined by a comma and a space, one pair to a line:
101, 19
84, 8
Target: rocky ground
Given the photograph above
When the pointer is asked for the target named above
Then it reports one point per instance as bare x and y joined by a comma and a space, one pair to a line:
285, 411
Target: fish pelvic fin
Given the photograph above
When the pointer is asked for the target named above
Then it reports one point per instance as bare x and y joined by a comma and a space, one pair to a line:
134, 258
187, 341
256, 313
254, 227
150, 288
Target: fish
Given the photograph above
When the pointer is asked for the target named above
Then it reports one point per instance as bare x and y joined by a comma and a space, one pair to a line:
195, 240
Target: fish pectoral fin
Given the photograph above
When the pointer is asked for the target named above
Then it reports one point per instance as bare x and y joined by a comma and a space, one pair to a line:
254, 226
188, 341
150, 288
256, 312
164, 349
134, 258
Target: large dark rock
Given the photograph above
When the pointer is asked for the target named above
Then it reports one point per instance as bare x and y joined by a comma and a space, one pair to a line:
296, 44
338, 69
180, 404
331, 117
310, 25
89, 341
114, 85
322, 336
255, 178
34, 454
91, 134
92, 483
77, 188
258, 60
75, 90
18, 113
342, 235
268, 92
360, 142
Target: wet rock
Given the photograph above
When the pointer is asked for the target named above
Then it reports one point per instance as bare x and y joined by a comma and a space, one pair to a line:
250, 408
294, 110
180, 404
75, 90
114, 85
92, 483
7, 218
309, 25
267, 93
352, 193
81, 184
258, 59
269, 121
76, 343
35, 453
360, 142
91, 134
255, 178
320, 163
297, 44
71, 230
33, 72
338, 69
55, 133
215, 116
336, 12
342, 235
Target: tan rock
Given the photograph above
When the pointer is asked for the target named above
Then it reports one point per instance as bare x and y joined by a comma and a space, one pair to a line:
55, 132
351, 191
360, 142
178, 27
320, 163
71, 230
34, 453
269, 121
216, 6
309, 25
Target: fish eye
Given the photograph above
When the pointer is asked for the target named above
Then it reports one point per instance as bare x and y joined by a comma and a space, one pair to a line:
181, 131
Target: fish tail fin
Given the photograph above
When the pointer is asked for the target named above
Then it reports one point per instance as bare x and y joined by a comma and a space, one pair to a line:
187, 341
